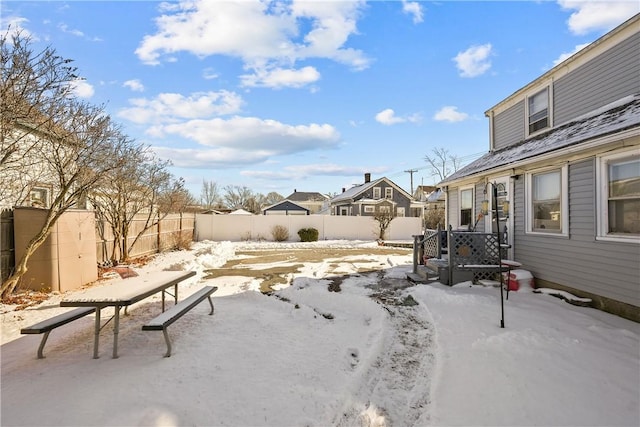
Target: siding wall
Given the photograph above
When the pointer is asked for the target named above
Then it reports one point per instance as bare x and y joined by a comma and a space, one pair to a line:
608, 269
607, 78
509, 126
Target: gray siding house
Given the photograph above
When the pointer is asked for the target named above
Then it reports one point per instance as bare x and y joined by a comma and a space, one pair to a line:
370, 197
564, 154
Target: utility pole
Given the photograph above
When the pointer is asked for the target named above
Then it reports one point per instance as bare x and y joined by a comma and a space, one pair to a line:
411, 172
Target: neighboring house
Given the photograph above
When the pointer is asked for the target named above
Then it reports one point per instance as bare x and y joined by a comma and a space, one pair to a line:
285, 207
313, 201
565, 158
423, 191
371, 197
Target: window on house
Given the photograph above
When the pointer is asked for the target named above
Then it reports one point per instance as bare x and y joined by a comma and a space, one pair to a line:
38, 197
369, 209
547, 202
400, 212
619, 195
466, 207
539, 111
384, 209
388, 193
376, 192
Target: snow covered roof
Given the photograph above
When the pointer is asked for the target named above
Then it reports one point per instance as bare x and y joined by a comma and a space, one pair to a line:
354, 191
619, 116
240, 212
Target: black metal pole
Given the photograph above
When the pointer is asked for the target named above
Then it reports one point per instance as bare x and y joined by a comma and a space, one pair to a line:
497, 214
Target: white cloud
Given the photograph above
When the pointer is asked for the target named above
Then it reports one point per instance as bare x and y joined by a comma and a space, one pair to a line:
265, 35
243, 140
388, 117
567, 55
474, 61
65, 29
280, 77
209, 74
12, 25
172, 107
591, 15
413, 8
81, 88
450, 114
135, 85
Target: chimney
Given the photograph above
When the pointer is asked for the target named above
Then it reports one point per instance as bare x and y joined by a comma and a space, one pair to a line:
367, 178
344, 189
295, 190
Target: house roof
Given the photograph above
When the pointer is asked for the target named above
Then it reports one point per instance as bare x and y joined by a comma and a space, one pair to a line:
616, 117
240, 212
303, 196
285, 205
354, 191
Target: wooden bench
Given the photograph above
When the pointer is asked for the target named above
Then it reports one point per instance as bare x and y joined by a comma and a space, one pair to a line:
161, 322
46, 326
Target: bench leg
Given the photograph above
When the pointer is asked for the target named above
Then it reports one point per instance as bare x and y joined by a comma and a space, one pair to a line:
211, 304
42, 343
116, 328
96, 336
166, 338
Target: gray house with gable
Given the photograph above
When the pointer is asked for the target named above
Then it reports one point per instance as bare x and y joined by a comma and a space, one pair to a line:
564, 154
371, 197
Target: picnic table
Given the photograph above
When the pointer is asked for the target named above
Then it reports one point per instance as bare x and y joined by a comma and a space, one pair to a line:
123, 294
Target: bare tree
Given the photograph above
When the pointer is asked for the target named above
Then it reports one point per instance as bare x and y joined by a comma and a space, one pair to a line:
74, 152
442, 163
237, 197
272, 198
34, 89
384, 218
142, 191
210, 195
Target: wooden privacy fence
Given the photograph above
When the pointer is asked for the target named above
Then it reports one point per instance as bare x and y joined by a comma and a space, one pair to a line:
168, 233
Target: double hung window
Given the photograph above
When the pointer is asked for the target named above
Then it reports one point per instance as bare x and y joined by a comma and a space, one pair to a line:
466, 207
547, 201
538, 106
619, 195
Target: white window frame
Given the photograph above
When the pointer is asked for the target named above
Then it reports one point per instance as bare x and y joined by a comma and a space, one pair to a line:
41, 202
369, 209
528, 131
564, 202
400, 212
384, 209
473, 203
388, 192
377, 191
602, 196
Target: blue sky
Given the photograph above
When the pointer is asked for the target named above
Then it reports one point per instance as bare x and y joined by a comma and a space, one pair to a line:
309, 95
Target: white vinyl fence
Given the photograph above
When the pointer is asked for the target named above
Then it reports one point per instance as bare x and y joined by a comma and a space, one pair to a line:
258, 227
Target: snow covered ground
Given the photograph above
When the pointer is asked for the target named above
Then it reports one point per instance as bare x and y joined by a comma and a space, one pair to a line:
367, 355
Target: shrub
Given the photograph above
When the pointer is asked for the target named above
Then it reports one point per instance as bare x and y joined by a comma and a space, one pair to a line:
180, 241
280, 233
308, 234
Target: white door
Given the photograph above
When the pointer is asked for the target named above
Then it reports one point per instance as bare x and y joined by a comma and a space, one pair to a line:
505, 211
